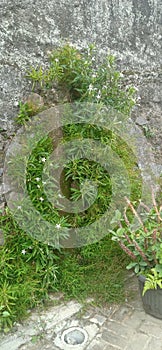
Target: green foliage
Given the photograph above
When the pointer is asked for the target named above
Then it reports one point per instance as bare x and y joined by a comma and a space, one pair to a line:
148, 131
39, 268
84, 78
153, 280
25, 113
28, 270
93, 271
143, 245
76, 173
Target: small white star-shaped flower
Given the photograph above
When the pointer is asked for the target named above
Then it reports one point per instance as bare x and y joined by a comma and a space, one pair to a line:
38, 186
41, 199
37, 178
99, 95
23, 252
90, 88
43, 159
58, 226
44, 182
19, 207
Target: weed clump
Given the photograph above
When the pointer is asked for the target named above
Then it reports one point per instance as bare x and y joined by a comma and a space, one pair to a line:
30, 269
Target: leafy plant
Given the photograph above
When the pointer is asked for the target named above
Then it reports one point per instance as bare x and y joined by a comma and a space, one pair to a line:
144, 245
26, 262
153, 280
82, 77
38, 267
25, 113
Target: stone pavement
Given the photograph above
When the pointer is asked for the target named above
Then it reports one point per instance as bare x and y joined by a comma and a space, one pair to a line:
125, 327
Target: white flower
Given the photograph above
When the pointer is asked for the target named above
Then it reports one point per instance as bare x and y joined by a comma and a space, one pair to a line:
19, 207
37, 178
23, 252
38, 186
43, 159
94, 75
99, 95
41, 199
44, 182
58, 226
56, 60
90, 87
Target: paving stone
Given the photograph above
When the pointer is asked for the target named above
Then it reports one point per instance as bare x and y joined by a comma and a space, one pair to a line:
12, 343
138, 342
98, 319
154, 320
114, 339
98, 344
123, 313
135, 320
92, 330
39, 345
110, 347
155, 344
152, 329
119, 329
60, 313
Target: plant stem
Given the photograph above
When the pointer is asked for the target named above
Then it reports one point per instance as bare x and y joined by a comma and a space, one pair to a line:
141, 252
127, 250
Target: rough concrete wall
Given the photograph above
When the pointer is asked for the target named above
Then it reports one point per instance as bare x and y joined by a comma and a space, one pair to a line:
131, 29
29, 28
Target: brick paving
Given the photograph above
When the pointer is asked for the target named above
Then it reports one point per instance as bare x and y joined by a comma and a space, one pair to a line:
125, 327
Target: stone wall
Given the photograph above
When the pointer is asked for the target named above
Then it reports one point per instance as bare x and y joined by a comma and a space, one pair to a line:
130, 29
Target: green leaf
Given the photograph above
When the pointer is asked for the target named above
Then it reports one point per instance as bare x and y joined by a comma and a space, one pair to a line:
159, 283
137, 268
5, 314
120, 231
131, 265
158, 268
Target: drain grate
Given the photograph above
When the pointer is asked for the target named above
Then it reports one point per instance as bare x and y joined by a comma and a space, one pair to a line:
74, 336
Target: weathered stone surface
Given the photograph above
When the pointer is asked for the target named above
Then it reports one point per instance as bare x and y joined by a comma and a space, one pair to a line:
30, 29
139, 341
98, 319
58, 313
136, 331
13, 343
35, 101
130, 29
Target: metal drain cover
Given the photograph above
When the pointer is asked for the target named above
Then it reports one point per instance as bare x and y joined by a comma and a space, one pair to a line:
74, 336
